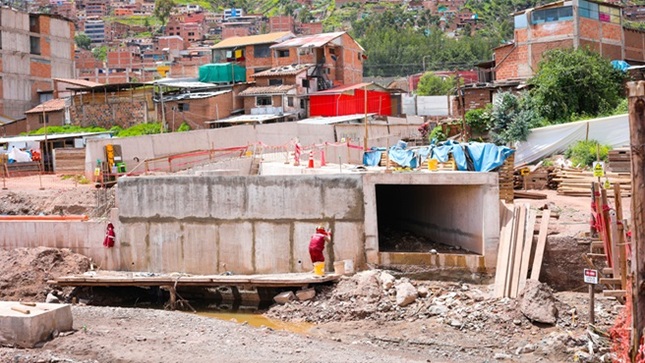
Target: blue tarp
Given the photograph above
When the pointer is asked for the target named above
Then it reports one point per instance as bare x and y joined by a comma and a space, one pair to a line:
373, 157
480, 156
620, 65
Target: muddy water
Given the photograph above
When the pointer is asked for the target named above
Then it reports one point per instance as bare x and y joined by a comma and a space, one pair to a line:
258, 320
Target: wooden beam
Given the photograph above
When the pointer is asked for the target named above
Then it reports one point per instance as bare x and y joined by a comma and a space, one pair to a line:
503, 249
526, 253
636, 102
541, 244
519, 248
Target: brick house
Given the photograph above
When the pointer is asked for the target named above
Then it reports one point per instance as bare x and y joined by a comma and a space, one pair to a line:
42, 49
196, 109
107, 105
252, 52
51, 112
337, 57
281, 89
566, 24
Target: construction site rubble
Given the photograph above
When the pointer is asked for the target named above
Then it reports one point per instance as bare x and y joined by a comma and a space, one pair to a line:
467, 309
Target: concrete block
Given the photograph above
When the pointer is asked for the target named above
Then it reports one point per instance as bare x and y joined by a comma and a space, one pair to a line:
284, 297
280, 197
166, 247
272, 247
27, 330
200, 248
236, 248
347, 241
305, 294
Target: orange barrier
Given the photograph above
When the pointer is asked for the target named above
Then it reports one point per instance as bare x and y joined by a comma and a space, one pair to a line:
72, 217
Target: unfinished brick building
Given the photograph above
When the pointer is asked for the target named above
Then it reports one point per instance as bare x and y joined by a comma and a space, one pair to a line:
567, 24
34, 48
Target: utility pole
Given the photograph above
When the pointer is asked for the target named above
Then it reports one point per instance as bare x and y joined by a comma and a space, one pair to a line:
365, 106
637, 146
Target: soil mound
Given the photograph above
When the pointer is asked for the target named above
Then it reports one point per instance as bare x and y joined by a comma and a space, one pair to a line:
24, 271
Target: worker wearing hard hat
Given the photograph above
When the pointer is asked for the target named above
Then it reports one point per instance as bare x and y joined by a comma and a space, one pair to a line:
317, 244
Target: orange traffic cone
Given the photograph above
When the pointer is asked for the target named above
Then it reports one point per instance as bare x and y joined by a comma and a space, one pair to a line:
311, 159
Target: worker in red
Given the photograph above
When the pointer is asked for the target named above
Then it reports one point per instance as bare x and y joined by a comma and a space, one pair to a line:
317, 244
108, 241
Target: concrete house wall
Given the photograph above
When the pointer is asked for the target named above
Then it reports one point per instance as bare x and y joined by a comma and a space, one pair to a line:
520, 59
25, 71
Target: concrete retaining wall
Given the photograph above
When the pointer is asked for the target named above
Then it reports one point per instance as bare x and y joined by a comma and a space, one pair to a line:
213, 224
85, 238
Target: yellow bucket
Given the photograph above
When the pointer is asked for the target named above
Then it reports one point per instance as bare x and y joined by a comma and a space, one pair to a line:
319, 268
433, 164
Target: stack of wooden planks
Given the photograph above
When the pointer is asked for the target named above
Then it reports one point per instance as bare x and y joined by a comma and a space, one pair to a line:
577, 183
69, 160
514, 258
506, 172
620, 160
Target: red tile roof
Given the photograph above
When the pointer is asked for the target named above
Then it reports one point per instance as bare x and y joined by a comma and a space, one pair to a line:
57, 104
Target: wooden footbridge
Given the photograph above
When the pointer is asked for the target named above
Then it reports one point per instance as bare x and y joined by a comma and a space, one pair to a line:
175, 280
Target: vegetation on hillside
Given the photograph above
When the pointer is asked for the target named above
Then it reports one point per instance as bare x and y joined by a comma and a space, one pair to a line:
575, 82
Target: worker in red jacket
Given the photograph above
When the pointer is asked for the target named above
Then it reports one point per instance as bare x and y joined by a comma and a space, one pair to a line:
108, 241
317, 244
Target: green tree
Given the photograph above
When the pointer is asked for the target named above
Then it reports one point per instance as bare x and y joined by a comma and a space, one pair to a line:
432, 85
163, 8
83, 41
100, 53
575, 82
512, 118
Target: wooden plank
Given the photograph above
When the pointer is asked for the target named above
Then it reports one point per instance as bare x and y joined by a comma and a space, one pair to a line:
614, 293
613, 229
511, 251
503, 249
622, 252
21, 310
541, 244
519, 248
526, 253
609, 280
606, 232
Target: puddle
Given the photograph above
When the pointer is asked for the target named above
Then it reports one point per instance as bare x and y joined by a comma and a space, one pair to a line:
258, 321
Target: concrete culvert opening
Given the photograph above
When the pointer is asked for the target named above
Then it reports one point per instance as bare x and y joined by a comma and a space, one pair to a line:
425, 218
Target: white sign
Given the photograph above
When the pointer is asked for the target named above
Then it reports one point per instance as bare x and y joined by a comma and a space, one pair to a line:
591, 276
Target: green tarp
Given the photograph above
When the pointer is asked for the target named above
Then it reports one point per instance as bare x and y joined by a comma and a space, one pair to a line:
222, 73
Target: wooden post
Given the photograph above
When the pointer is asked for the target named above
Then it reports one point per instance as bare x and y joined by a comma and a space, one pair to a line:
618, 201
637, 145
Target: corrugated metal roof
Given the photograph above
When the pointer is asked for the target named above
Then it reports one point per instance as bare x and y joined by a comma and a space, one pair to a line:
267, 90
77, 82
310, 41
289, 70
184, 84
348, 88
37, 138
248, 119
57, 104
253, 39
5, 120
334, 119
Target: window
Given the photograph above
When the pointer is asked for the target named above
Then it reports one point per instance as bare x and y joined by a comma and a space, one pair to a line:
588, 9
34, 45
283, 53
42, 120
290, 101
275, 82
191, 34
551, 15
263, 101
262, 51
520, 21
34, 26
608, 14
332, 50
183, 107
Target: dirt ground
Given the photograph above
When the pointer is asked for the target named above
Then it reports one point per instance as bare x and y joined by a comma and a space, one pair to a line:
358, 320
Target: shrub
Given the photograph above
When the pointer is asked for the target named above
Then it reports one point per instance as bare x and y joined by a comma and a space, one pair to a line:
584, 153
437, 134
183, 127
